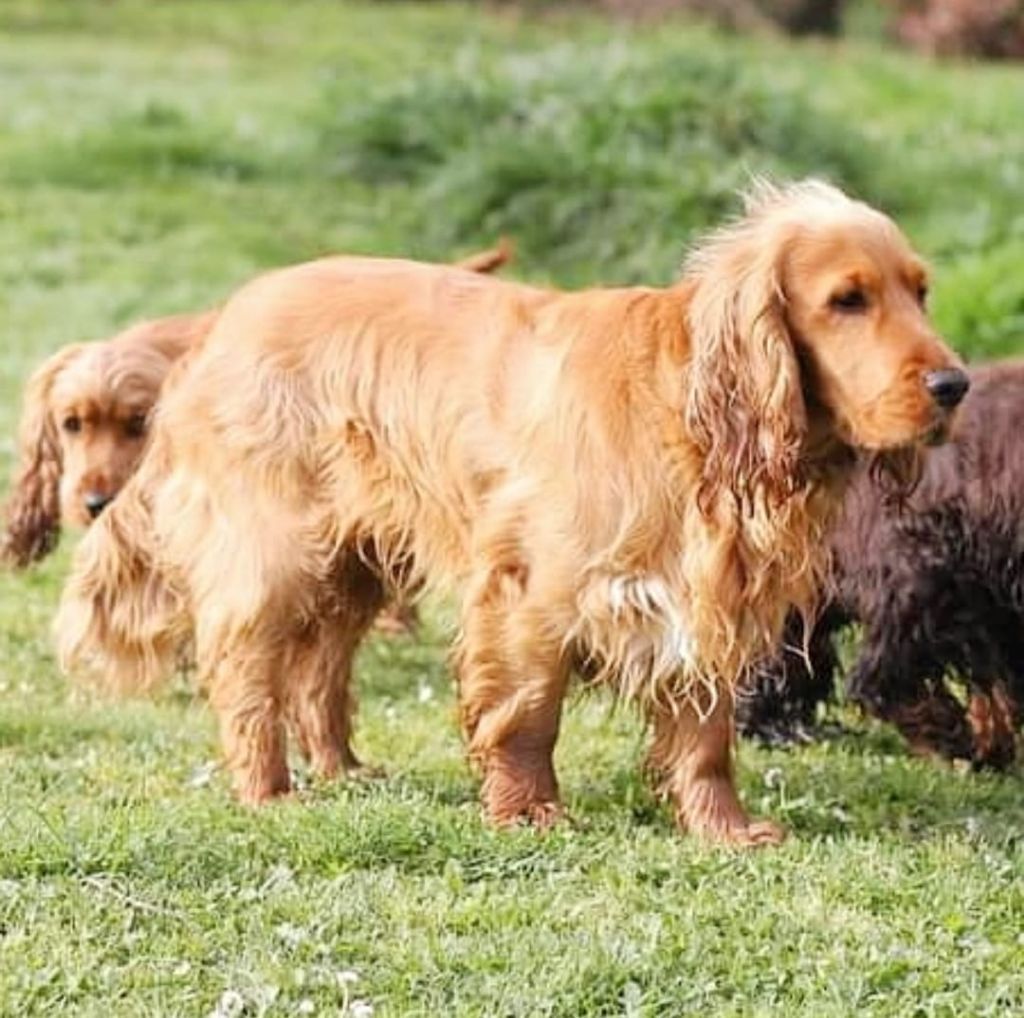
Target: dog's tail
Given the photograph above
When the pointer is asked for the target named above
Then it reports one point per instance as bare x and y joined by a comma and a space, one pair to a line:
490, 260
121, 623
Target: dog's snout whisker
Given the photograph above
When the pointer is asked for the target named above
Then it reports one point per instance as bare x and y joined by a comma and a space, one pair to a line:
947, 386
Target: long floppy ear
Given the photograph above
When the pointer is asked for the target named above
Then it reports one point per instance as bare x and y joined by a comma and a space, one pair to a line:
744, 405
33, 510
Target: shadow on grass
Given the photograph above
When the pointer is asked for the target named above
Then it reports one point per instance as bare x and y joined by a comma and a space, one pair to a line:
852, 787
56, 729
429, 823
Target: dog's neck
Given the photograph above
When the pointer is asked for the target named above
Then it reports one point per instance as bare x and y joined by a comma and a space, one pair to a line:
825, 457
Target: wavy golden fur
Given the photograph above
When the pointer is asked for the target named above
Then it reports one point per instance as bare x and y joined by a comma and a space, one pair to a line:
629, 483
85, 417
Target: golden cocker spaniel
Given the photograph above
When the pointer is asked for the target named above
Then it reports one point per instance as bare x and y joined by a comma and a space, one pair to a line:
631, 484
84, 421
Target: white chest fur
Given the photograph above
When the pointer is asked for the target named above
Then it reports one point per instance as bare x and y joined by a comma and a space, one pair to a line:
634, 627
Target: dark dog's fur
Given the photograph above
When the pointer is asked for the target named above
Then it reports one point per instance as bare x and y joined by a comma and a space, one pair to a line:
939, 590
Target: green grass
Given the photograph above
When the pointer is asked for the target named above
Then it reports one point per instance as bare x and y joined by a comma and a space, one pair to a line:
153, 155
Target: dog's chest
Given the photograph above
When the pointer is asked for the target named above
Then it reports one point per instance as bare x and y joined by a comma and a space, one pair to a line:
634, 627
646, 605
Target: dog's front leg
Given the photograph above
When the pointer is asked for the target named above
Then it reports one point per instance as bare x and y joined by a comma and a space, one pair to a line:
693, 756
244, 693
993, 714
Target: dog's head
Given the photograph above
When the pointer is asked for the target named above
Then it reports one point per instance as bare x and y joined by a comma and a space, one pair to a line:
808, 323
83, 426
100, 406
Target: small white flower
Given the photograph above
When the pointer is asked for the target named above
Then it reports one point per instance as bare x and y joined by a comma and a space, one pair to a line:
426, 694
361, 1009
267, 994
773, 777
280, 875
230, 1005
291, 935
306, 1006
202, 775
346, 977
181, 969
632, 998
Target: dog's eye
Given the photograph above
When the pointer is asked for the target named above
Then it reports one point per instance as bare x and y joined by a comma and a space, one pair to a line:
72, 423
922, 294
135, 426
849, 301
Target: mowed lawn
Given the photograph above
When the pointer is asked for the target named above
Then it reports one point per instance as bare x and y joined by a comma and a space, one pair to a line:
154, 155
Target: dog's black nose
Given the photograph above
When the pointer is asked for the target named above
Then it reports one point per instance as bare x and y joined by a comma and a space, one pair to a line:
947, 387
95, 502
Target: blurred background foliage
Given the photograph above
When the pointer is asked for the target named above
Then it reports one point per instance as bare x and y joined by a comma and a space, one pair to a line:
601, 151
603, 143
983, 28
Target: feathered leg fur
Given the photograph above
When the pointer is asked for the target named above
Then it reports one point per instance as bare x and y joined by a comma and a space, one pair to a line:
120, 613
319, 699
693, 757
512, 676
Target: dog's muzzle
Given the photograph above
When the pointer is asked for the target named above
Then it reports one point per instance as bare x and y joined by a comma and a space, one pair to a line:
96, 502
947, 386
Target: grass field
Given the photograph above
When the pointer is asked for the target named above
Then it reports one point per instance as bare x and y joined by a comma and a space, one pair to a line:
152, 155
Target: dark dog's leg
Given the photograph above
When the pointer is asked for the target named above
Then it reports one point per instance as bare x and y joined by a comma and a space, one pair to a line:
777, 703
928, 716
936, 725
889, 682
993, 718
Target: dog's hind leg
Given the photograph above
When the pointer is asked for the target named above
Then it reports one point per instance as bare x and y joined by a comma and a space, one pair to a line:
318, 696
512, 678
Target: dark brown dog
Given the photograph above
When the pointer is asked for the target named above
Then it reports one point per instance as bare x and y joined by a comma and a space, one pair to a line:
938, 586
